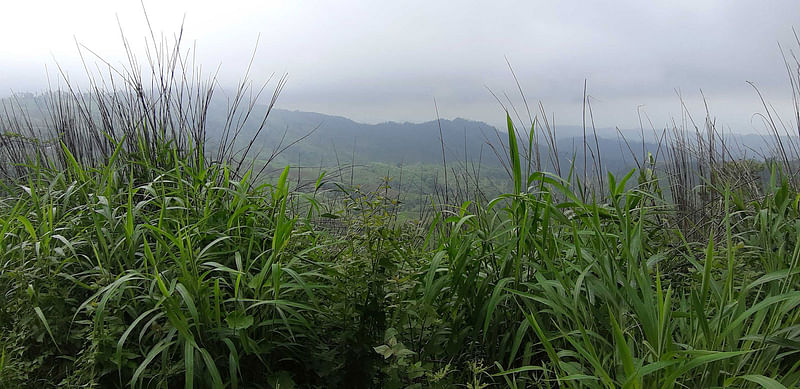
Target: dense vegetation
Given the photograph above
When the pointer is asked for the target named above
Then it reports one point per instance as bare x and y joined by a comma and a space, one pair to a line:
132, 256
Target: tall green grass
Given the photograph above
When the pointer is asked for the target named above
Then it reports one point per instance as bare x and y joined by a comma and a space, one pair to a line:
135, 273
560, 292
186, 274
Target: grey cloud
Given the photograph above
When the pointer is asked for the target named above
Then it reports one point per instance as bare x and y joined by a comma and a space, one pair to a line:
377, 61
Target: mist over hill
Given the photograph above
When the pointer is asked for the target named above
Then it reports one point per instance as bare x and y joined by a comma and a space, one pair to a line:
334, 138
329, 140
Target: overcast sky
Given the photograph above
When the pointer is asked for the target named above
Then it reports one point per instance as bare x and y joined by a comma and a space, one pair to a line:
375, 61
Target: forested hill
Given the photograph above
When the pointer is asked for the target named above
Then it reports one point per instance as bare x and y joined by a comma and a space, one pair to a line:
390, 142
335, 140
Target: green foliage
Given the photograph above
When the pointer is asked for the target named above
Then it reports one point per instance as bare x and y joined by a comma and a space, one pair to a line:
572, 293
170, 271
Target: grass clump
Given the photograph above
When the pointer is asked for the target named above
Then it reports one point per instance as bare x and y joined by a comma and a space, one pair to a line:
183, 278
548, 290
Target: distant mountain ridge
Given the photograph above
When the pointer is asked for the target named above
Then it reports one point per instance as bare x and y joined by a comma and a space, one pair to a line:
336, 139
339, 140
